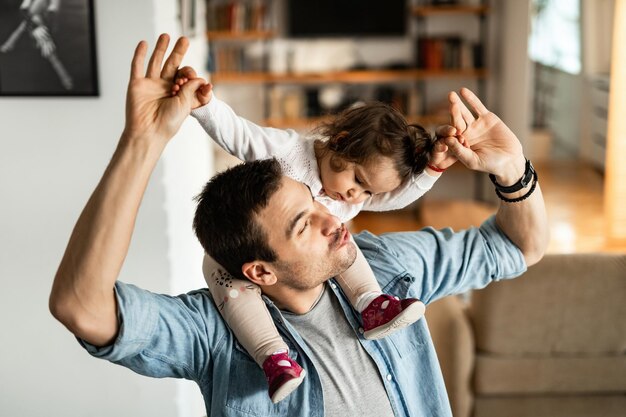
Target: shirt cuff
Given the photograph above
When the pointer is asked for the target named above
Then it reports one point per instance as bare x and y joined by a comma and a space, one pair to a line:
205, 112
510, 260
425, 181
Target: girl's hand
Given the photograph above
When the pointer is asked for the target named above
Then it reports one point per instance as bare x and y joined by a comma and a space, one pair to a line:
441, 157
203, 94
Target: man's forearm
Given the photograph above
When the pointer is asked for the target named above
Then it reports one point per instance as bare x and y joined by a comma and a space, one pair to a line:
524, 222
82, 296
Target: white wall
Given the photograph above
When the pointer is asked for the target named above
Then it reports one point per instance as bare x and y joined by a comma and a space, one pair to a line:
53, 153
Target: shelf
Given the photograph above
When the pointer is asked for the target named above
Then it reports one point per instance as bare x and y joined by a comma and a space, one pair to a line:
348, 77
304, 122
239, 36
448, 10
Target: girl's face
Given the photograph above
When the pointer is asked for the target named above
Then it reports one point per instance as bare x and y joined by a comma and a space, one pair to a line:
356, 183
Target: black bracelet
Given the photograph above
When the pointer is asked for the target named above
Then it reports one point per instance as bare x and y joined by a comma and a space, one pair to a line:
522, 198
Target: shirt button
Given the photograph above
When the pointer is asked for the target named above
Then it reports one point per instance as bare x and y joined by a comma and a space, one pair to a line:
388, 377
361, 330
332, 285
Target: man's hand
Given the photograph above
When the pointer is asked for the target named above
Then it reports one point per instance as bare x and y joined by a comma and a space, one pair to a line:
83, 296
483, 142
203, 94
151, 111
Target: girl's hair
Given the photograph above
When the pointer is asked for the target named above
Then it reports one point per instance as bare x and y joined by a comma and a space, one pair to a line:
360, 134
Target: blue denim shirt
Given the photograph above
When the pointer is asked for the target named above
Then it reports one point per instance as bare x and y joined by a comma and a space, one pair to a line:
185, 336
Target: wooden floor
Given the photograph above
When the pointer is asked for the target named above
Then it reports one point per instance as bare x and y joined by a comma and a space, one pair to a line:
573, 193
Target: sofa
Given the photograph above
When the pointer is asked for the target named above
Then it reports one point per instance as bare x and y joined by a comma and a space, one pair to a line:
550, 343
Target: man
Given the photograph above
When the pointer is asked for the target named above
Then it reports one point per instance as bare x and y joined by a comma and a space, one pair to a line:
298, 247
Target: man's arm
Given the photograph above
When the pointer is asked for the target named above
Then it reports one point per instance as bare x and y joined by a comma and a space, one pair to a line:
235, 134
82, 295
493, 148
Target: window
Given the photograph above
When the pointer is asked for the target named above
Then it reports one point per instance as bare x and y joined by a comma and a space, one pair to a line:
555, 34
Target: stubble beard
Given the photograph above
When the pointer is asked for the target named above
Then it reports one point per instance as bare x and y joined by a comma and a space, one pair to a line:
304, 275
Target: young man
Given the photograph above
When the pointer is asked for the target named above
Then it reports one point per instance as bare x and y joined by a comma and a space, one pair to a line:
296, 248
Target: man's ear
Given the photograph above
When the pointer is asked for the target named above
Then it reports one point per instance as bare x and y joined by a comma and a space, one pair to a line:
259, 273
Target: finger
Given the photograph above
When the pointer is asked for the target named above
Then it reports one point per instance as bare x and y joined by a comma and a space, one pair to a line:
176, 57
467, 115
188, 90
456, 115
205, 93
440, 147
136, 67
156, 59
187, 72
463, 154
445, 130
474, 101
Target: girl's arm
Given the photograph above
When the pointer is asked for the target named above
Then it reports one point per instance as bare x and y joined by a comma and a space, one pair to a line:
408, 192
240, 137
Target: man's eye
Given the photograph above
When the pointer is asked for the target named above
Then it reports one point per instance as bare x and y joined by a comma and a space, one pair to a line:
358, 180
303, 227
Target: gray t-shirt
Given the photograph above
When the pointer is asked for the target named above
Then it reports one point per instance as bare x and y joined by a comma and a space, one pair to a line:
350, 380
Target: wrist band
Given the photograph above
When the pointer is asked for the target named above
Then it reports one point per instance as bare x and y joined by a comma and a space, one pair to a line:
435, 168
523, 182
522, 198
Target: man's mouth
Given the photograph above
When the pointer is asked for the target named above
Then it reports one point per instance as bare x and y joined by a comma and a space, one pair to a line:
341, 237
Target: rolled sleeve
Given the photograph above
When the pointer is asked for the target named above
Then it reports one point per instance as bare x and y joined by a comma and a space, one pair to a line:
137, 313
430, 264
163, 336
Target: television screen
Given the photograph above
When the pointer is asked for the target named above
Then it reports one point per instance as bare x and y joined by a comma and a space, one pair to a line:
346, 18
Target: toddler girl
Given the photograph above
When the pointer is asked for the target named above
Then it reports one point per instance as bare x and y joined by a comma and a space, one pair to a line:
368, 158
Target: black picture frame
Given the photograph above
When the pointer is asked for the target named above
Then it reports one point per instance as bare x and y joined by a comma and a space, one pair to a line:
48, 48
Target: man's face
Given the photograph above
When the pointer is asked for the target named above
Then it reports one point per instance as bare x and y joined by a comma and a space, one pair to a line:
312, 245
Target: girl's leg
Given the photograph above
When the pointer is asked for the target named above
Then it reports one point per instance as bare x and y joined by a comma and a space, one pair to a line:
382, 314
240, 304
359, 283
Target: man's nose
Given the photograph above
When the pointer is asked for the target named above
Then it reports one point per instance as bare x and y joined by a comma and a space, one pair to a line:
329, 223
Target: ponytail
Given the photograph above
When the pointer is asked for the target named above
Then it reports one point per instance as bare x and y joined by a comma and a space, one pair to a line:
418, 145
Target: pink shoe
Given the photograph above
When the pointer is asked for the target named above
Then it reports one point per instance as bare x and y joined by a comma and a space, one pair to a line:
386, 314
283, 375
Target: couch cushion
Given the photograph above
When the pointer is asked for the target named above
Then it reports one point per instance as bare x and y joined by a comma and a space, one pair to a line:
563, 406
567, 304
571, 375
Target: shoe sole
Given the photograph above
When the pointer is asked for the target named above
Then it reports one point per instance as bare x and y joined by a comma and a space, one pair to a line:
287, 388
410, 315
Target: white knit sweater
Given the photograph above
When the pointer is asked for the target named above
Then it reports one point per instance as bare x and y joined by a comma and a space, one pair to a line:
249, 142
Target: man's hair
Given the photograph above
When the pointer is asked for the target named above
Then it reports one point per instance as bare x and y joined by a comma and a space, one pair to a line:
360, 134
225, 219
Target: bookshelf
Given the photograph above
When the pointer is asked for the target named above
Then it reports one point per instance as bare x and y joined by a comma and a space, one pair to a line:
239, 36
229, 64
453, 52
231, 27
348, 77
449, 9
